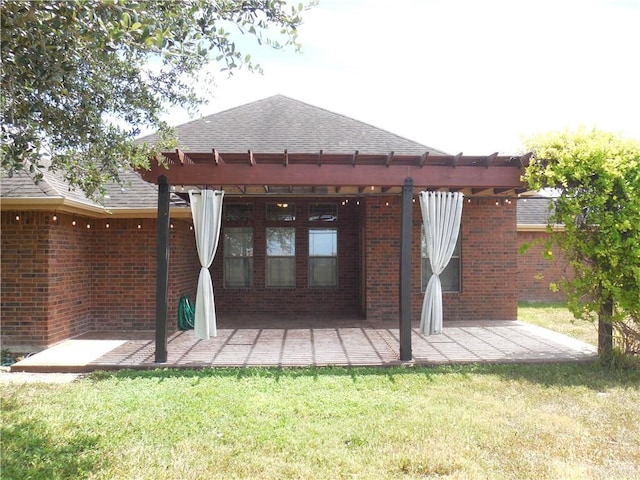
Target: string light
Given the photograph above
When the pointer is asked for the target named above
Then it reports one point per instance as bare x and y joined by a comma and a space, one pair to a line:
88, 225
139, 226
17, 218
107, 225
73, 222
55, 217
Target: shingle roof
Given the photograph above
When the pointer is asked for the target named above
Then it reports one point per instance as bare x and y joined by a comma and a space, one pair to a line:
276, 123
534, 211
135, 192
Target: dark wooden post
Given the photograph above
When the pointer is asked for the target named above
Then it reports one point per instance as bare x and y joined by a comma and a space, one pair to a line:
162, 270
406, 228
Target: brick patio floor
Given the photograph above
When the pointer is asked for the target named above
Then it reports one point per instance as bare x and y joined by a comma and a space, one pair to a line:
305, 343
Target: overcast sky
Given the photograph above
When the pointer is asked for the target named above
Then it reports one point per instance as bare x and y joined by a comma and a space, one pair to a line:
465, 76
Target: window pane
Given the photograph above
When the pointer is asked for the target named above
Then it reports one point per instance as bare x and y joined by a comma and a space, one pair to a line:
238, 272
323, 242
281, 272
281, 242
237, 212
238, 242
323, 272
449, 279
423, 246
281, 212
323, 212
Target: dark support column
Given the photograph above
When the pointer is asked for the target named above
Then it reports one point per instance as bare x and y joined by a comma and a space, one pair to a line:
162, 270
406, 228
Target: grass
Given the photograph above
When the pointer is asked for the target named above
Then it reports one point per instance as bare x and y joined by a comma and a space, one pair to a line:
557, 317
543, 421
490, 421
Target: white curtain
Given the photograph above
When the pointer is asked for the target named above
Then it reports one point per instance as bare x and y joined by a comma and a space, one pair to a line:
206, 210
441, 213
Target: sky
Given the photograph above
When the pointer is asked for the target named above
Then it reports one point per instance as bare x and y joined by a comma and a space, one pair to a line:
457, 75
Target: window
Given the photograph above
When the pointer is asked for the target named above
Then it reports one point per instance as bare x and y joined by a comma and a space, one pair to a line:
238, 257
281, 212
281, 257
450, 277
323, 212
237, 212
323, 257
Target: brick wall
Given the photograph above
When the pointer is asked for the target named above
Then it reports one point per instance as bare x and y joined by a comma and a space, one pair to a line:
489, 263
124, 282
69, 276
60, 280
24, 286
536, 273
303, 299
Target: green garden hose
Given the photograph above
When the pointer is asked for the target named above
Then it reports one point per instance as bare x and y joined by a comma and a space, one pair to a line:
186, 311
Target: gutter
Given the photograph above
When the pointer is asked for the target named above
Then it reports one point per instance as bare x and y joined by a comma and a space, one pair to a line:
66, 205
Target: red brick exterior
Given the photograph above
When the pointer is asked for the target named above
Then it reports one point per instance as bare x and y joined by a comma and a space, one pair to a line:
488, 284
60, 280
300, 300
536, 273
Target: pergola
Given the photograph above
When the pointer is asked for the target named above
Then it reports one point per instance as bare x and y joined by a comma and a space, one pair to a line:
327, 174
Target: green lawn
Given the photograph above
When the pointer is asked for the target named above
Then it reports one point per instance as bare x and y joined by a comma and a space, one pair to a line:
556, 317
547, 421
508, 421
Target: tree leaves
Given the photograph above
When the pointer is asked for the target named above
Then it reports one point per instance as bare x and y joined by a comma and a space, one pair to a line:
598, 176
80, 79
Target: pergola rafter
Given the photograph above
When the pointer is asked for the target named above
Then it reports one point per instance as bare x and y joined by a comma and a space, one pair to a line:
335, 173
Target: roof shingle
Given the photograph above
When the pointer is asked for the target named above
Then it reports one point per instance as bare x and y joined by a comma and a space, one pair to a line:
279, 123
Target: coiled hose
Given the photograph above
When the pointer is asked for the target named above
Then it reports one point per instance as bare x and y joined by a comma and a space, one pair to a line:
186, 311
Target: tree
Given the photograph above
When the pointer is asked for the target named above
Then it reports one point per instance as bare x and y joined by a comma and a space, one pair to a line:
81, 78
597, 177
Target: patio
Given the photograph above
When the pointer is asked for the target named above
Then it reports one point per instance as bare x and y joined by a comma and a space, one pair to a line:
299, 342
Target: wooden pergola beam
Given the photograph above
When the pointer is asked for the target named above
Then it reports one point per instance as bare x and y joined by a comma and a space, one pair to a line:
217, 159
389, 158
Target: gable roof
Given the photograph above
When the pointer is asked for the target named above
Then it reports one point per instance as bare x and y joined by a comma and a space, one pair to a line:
279, 123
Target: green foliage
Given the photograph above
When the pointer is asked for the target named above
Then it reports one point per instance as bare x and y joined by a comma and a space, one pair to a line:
597, 176
81, 78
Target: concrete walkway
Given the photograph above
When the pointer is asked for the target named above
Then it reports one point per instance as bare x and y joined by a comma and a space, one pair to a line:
360, 344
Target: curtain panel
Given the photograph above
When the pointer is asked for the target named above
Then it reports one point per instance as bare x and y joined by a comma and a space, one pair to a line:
441, 214
206, 211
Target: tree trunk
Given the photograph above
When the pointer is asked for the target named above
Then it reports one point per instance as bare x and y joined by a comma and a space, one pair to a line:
605, 330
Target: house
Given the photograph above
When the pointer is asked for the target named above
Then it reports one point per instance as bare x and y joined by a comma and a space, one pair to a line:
537, 272
311, 226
